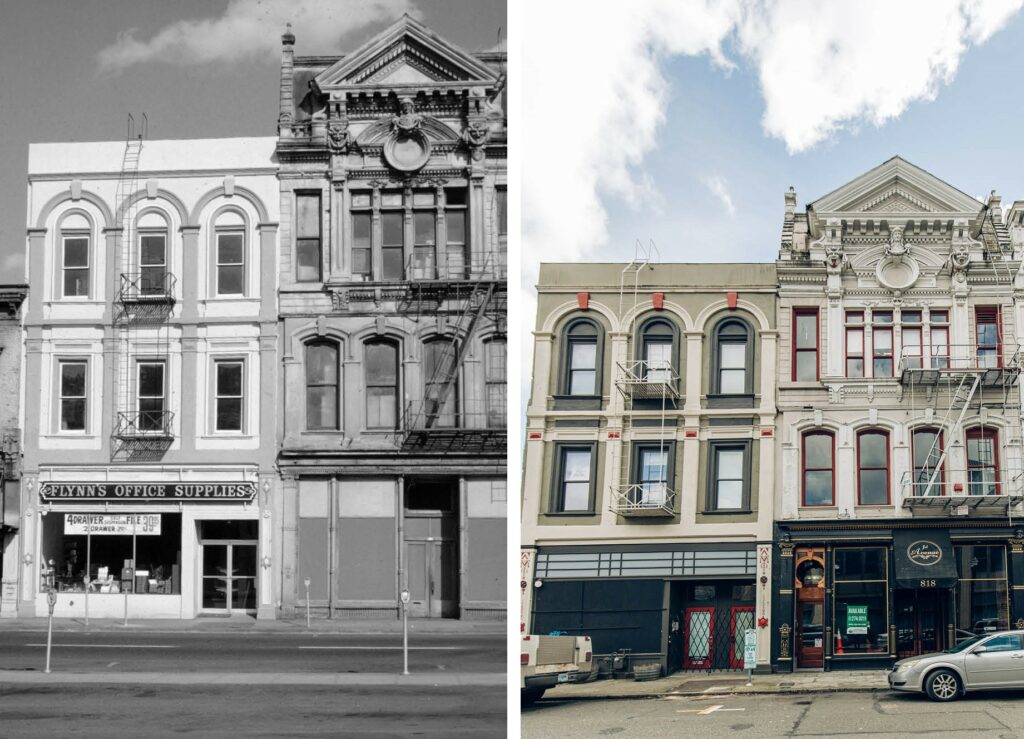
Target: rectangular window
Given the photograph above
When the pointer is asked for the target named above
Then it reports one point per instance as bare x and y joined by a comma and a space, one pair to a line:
881, 344
982, 463
980, 597
805, 344
729, 478
151, 394
424, 250
987, 336
495, 373
153, 263
501, 202
455, 245
873, 468
229, 375
230, 263
927, 450
575, 479
911, 339
308, 254
582, 368
651, 475
73, 396
76, 266
854, 343
819, 470
938, 330
393, 245
362, 243
860, 603
381, 385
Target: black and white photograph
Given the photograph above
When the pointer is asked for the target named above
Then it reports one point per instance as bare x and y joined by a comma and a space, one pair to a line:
254, 355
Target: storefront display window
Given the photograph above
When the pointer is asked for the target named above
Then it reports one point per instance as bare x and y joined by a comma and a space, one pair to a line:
130, 552
982, 603
860, 601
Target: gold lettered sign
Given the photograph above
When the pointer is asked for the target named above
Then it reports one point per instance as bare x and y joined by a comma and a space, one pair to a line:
133, 492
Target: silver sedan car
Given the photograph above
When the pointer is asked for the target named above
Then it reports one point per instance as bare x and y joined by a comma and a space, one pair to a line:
986, 662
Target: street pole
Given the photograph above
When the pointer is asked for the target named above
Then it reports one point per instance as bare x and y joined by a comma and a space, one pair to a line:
307, 604
405, 632
51, 601
88, 562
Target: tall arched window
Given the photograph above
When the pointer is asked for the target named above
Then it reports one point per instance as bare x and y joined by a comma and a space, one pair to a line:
982, 461
732, 358
819, 468
927, 449
582, 359
152, 255
495, 373
657, 350
441, 385
75, 256
229, 254
322, 385
381, 368
873, 468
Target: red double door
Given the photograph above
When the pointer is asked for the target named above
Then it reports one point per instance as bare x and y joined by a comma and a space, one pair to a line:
713, 636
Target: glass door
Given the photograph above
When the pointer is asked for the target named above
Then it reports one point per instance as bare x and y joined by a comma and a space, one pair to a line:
742, 619
700, 637
229, 576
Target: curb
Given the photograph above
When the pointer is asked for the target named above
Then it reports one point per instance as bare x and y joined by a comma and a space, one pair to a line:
366, 679
701, 694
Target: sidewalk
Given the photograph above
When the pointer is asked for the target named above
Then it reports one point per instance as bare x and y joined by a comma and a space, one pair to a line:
363, 679
705, 684
246, 624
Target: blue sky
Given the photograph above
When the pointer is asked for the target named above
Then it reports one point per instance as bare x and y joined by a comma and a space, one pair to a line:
969, 136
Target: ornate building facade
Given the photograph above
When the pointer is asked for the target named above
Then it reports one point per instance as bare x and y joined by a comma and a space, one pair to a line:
650, 461
899, 488
392, 301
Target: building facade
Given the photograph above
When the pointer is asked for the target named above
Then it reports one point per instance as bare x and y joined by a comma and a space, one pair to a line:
11, 299
650, 461
392, 189
899, 488
151, 377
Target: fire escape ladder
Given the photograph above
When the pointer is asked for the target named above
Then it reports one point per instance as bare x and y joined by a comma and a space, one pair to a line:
959, 402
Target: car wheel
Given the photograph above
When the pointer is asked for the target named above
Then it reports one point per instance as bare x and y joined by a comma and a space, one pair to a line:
528, 696
942, 685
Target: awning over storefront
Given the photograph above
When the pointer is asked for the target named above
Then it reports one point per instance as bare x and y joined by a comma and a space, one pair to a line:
924, 558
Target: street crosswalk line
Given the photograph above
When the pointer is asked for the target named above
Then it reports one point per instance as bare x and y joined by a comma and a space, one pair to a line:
110, 646
378, 649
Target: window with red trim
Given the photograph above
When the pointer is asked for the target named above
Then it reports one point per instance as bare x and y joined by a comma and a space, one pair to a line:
927, 449
873, 468
987, 335
805, 344
881, 344
854, 343
982, 462
938, 329
818, 468
911, 339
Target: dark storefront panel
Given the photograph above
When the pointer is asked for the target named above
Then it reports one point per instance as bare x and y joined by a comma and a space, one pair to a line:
615, 614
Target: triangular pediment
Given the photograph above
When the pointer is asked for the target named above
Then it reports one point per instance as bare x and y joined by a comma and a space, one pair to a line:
896, 186
406, 53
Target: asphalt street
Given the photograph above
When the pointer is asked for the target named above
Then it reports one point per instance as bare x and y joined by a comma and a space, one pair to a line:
134, 651
852, 714
155, 711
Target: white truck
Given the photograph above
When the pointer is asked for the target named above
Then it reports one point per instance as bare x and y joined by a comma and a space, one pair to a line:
547, 661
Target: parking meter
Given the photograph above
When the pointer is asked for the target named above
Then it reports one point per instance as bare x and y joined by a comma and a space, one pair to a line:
307, 581
405, 597
405, 632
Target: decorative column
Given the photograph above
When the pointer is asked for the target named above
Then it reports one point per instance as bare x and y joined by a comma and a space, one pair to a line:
783, 629
189, 428
189, 287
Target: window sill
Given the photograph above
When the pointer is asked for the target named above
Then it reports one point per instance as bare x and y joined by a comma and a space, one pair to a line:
803, 385
571, 514
873, 506
730, 512
809, 508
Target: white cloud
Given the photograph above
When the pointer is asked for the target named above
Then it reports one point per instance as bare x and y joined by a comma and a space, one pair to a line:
251, 29
719, 187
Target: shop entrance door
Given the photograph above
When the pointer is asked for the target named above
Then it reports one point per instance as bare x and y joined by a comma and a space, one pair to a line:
431, 548
228, 566
810, 635
920, 621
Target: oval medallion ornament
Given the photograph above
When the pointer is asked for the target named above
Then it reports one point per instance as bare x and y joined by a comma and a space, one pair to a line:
407, 152
924, 553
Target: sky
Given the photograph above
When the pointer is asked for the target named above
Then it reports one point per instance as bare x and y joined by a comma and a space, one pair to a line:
683, 122
72, 70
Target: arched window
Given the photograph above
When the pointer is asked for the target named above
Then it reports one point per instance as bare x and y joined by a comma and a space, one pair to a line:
322, 385
657, 350
229, 254
733, 359
982, 461
819, 468
76, 252
873, 468
582, 359
441, 386
381, 367
495, 373
927, 449
152, 255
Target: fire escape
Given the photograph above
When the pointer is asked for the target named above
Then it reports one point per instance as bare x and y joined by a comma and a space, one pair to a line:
951, 387
142, 423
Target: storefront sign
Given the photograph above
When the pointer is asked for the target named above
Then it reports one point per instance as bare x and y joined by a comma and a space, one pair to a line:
924, 553
198, 492
856, 619
111, 524
750, 649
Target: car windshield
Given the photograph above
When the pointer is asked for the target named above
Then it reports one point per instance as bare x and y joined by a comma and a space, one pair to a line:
966, 644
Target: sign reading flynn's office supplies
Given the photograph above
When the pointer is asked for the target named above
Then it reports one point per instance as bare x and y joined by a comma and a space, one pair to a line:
197, 492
